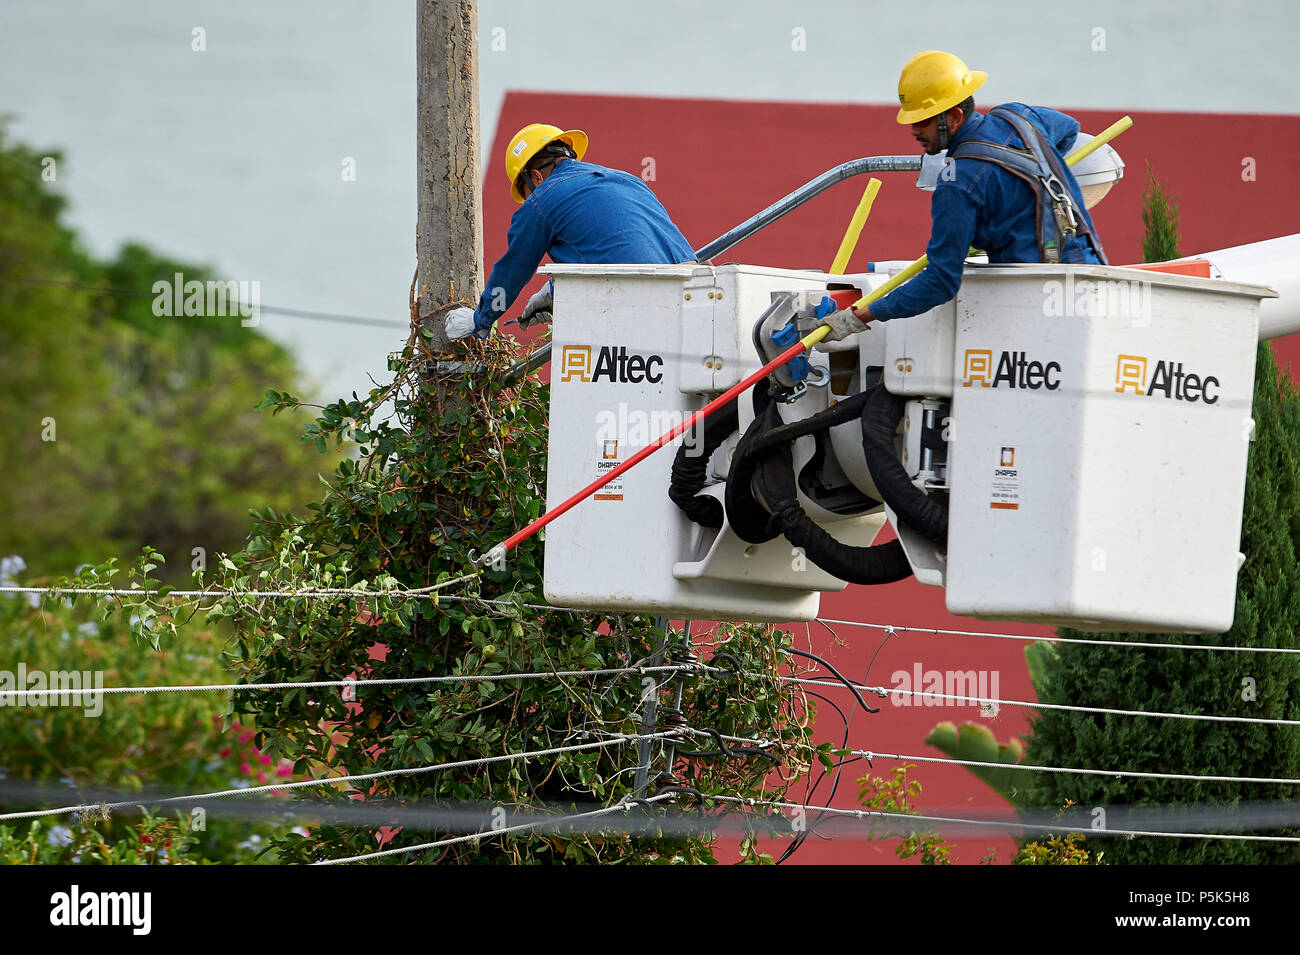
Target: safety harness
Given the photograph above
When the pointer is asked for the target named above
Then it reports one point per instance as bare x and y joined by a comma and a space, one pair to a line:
1059, 220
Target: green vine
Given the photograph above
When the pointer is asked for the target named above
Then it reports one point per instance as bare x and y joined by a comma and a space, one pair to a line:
445, 468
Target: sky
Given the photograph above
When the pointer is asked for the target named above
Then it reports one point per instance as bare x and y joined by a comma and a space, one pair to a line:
233, 155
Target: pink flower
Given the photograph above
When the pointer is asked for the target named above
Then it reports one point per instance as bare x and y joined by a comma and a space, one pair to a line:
245, 768
245, 737
264, 759
261, 776
284, 770
224, 752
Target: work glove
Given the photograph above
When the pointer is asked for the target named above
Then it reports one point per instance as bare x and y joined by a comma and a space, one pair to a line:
460, 324
843, 324
538, 309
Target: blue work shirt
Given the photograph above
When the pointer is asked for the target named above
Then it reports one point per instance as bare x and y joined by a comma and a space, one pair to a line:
581, 213
985, 206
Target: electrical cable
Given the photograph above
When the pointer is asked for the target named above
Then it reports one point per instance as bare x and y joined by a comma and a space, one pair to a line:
1133, 774
269, 309
1130, 644
1011, 825
486, 834
8, 695
802, 837
328, 781
836, 673
1207, 717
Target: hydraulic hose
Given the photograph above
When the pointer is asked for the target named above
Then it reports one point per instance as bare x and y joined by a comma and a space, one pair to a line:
875, 564
691, 467
913, 506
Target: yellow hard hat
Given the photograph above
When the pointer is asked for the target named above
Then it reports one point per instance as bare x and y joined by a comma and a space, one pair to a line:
529, 141
932, 83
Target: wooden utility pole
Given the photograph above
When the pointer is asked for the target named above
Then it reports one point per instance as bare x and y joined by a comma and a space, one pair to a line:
449, 229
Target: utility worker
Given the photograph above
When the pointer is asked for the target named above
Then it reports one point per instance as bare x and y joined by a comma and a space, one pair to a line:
575, 212
1006, 190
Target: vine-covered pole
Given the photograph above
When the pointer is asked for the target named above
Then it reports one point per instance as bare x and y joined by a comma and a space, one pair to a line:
449, 222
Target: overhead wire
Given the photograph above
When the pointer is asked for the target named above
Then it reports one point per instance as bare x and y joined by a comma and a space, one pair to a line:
333, 780
1200, 820
855, 688
1126, 773
1210, 717
802, 837
357, 683
1128, 644
897, 629
488, 833
431, 591
310, 315
842, 682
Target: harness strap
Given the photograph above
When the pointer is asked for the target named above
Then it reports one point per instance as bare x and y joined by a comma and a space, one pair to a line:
1056, 215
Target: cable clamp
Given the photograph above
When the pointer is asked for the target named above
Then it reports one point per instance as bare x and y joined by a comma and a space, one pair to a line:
494, 558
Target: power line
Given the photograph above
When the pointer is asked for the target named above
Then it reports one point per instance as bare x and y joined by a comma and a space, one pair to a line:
1193, 777
897, 629
430, 591
1005, 824
331, 780
269, 309
872, 754
1207, 717
622, 805
469, 818
1131, 644
8, 695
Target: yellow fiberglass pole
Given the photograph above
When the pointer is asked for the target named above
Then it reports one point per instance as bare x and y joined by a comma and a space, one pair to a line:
850, 240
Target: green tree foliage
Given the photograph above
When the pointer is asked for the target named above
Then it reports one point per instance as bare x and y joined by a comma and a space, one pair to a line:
156, 841
435, 482
894, 794
125, 428
79, 746
1231, 684
1160, 216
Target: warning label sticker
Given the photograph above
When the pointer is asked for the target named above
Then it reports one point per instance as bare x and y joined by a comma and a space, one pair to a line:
607, 459
1005, 495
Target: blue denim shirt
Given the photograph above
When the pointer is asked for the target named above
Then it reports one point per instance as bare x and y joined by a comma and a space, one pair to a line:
984, 206
581, 213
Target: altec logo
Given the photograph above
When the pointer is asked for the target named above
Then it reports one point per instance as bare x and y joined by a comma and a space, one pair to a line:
1014, 370
612, 364
1168, 380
